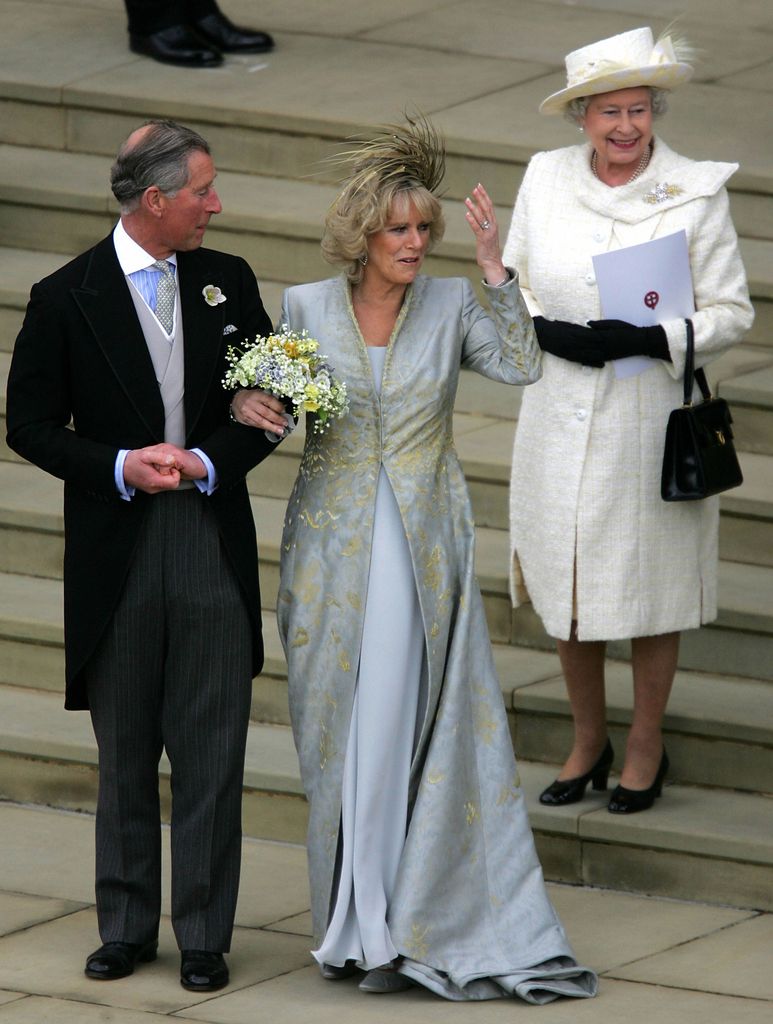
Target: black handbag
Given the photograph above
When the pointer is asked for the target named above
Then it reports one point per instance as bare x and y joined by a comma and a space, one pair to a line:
699, 458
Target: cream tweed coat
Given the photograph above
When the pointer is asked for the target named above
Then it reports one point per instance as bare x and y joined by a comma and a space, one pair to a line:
589, 529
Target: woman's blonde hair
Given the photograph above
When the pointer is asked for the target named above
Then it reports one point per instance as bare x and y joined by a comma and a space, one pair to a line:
399, 164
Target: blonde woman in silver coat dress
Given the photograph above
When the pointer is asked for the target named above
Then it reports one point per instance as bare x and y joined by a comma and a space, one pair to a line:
421, 860
598, 552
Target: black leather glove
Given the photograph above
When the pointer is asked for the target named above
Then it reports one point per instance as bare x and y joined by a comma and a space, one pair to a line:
619, 339
570, 341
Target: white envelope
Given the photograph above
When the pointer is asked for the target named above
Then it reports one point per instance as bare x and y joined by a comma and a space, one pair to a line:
644, 285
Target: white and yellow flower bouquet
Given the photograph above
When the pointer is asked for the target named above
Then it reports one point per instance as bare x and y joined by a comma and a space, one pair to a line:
288, 364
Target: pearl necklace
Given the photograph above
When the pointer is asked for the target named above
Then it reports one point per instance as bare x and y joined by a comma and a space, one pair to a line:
640, 167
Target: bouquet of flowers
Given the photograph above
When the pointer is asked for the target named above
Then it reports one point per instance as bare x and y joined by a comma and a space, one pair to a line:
287, 364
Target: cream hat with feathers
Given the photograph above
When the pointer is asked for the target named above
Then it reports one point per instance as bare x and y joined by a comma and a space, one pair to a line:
625, 61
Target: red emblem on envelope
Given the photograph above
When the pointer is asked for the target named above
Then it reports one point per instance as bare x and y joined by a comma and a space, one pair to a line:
651, 299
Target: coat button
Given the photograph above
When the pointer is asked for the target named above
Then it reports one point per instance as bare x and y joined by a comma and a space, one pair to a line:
598, 236
590, 278
581, 413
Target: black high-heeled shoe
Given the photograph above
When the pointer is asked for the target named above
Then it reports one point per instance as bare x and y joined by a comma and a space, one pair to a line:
569, 791
629, 801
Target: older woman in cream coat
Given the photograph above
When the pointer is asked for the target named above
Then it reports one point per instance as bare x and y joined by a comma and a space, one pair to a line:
594, 547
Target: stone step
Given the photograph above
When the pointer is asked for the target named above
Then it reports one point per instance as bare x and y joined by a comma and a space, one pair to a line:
485, 423
746, 520
285, 112
740, 642
485, 446
58, 199
718, 729
6, 455
19, 270
49, 756
31, 524
32, 644
310, 155
751, 400
709, 844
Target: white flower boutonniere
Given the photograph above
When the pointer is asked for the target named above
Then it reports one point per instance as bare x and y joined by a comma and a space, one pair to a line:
212, 295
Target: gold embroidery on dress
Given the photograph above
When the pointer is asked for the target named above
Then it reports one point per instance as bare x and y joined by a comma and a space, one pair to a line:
509, 794
416, 947
320, 520
352, 547
327, 748
432, 574
471, 812
485, 727
301, 637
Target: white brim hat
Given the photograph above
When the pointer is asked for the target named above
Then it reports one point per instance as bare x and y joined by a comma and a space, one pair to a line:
625, 61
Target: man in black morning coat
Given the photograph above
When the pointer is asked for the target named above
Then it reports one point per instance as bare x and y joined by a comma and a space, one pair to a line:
161, 592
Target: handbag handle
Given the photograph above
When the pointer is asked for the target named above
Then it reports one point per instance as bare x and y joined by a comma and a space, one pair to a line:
690, 373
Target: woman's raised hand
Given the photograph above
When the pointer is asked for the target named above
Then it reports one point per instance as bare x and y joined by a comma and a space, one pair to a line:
483, 223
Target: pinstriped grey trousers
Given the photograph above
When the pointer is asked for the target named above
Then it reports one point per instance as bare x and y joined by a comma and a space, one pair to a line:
173, 671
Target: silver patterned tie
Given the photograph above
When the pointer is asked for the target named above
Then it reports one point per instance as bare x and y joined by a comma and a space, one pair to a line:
165, 295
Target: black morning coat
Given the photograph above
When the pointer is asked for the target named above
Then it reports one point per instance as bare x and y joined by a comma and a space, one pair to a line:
81, 356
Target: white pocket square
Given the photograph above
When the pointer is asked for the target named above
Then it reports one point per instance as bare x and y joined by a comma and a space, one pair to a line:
229, 329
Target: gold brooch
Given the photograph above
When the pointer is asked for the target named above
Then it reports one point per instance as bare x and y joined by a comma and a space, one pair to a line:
663, 191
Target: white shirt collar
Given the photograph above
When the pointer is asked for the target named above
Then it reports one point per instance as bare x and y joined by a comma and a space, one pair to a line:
132, 257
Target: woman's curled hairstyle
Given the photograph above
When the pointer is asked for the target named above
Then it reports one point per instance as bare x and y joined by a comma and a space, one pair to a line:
402, 163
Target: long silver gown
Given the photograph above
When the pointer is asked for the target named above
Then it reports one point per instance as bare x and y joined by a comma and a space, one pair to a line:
419, 844
374, 813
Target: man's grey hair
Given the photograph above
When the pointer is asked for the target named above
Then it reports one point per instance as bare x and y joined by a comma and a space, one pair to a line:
159, 158
575, 109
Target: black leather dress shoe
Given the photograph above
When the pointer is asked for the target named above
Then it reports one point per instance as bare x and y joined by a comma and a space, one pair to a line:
569, 791
631, 801
177, 45
201, 971
223, 35
118, 959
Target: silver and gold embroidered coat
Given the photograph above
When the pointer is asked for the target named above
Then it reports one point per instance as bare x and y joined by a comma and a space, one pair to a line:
468, 868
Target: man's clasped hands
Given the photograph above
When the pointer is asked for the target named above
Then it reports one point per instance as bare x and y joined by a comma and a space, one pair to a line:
161, 467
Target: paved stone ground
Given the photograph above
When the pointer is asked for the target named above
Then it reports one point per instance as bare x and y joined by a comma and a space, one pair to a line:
664, 960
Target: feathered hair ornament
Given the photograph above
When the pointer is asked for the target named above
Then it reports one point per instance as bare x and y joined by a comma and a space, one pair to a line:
394, 159
408, 155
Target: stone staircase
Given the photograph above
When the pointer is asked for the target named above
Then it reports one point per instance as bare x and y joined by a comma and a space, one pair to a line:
711, 837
